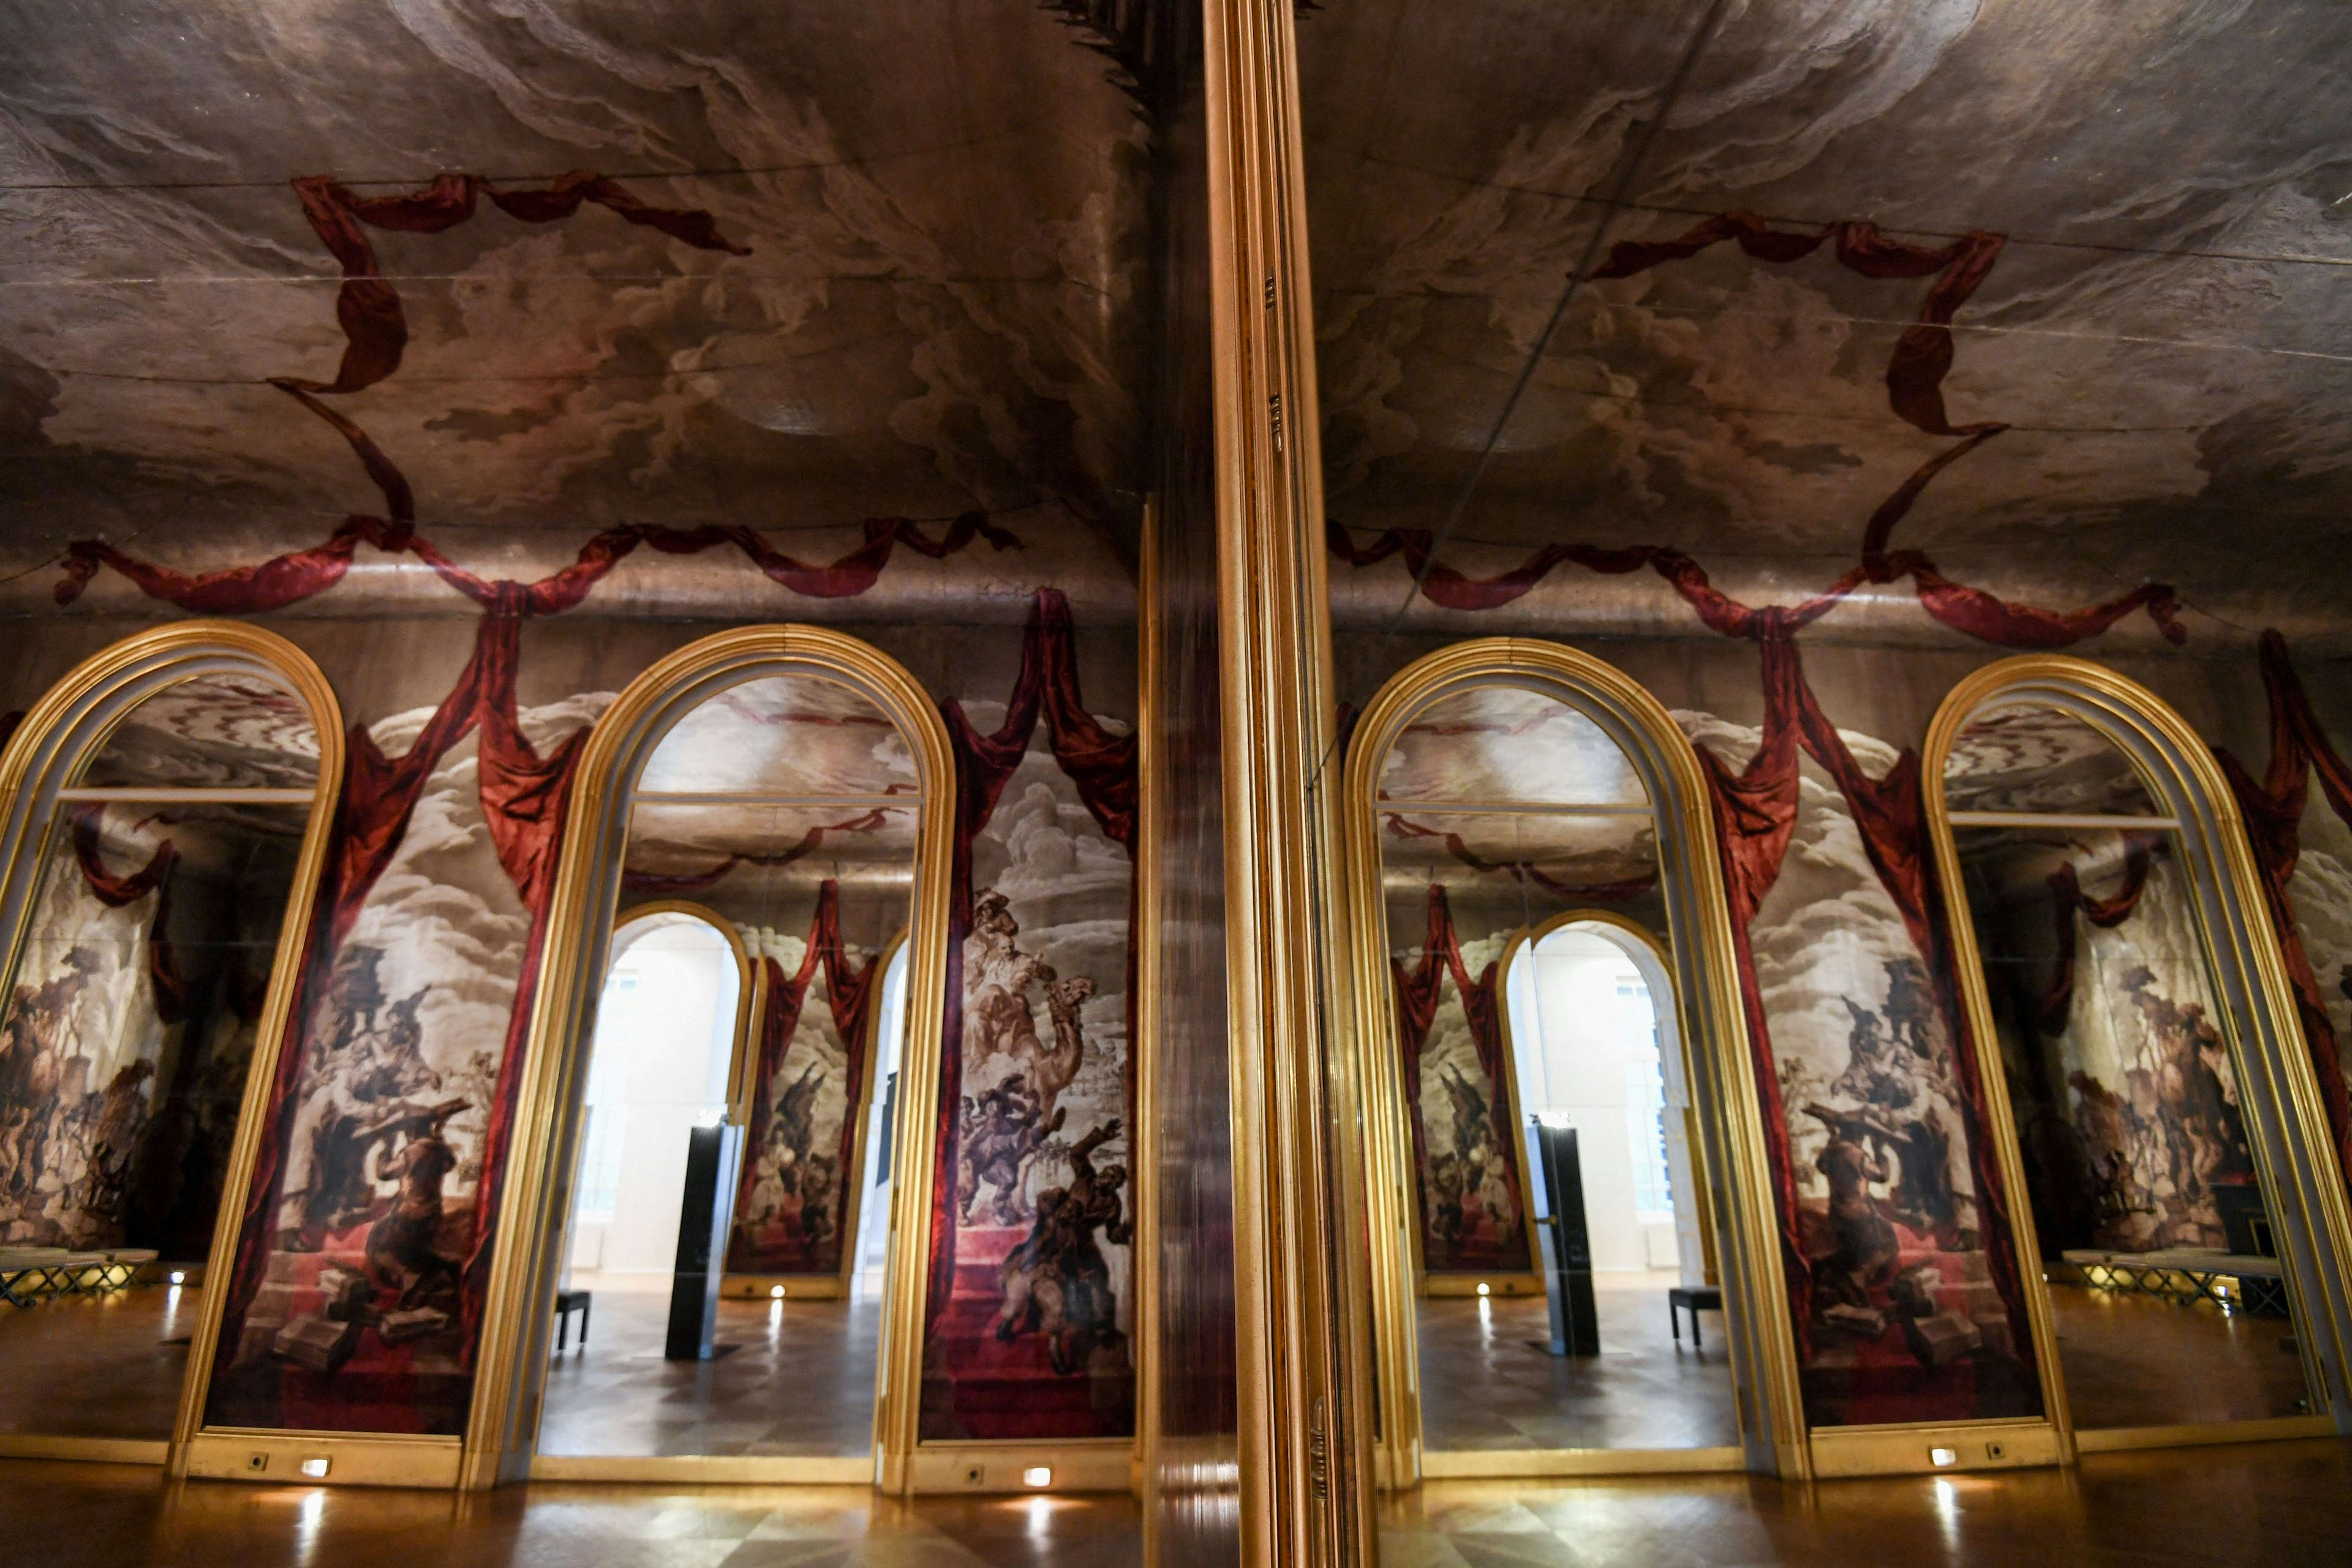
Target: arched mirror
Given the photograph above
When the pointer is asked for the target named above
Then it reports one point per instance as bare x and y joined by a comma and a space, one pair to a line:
758, 826
2157, 1105
167, 810
1571, 1261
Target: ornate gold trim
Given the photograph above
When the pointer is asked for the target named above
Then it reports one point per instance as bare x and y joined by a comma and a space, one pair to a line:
2292, 1147
353, 1459
71, 720
512, 1355
1142, 1058
707, 1469
1708, 999
1473, 1464
1302, 1405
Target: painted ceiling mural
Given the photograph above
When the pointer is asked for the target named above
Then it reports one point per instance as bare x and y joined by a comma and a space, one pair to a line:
2140, 261
567, 266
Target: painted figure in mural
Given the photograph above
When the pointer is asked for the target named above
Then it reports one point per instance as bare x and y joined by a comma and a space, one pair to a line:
1002, 1131
113, 1151
1903, 1104
2190, 1093
1057, 1282
998, 978
2155, 1147
1057, 1068
361, 1083
35, 1049
402, 1250
1865, 1251
1474, 1193
794, 1130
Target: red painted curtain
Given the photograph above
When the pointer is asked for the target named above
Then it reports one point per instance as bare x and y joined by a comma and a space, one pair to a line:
2272, 809
2067, 900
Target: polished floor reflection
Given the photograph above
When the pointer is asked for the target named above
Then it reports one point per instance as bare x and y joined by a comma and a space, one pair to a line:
133, 1343
2137, 1361
796, 1378
129, 1514
1487, 1382
2251, 1503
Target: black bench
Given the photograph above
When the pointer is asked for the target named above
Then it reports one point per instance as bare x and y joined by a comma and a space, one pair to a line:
566, 1303
1697, 1298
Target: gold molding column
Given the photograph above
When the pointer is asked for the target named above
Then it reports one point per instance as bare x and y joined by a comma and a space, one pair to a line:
1302, 1458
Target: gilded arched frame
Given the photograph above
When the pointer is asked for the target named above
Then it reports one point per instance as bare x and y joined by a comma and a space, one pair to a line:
2286, 1122
1706, 994
48, 750
518, 1321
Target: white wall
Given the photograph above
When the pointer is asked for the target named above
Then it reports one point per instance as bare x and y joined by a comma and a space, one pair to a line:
874, 1206
664, 1041
1576, 1039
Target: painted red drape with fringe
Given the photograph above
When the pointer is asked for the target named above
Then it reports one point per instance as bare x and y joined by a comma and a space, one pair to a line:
1103, 768
1890, 813
1418, 991
368, 307
849, 995
2272, 809
168, 986
2066, 900
523, 796
780, 1019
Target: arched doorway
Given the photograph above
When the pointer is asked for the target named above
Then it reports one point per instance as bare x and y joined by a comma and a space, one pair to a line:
1497, 792
2156, 1107
168, 805
794, 784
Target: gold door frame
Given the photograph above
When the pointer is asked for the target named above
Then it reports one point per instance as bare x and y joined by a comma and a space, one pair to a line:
501, 1430
2279, 1096
50, 746
1763, 1347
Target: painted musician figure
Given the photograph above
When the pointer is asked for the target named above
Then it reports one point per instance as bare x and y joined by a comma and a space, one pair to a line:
1057, 1282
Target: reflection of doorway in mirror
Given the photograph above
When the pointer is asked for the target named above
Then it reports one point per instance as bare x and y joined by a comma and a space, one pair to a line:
1595, 1046
658, 1067
1586, 1036
660, 1064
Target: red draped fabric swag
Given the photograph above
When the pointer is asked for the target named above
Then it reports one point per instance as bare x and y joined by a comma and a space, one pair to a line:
2272, 809
1419, 990
849, 994
170, 988
1103, 768
2067, 900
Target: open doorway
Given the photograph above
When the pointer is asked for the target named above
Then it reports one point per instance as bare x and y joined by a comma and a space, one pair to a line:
662, 1063
1598, 1068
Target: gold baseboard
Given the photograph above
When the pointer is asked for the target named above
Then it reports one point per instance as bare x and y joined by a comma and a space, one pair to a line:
2122, 1439
1097, 1466
277, 1458
1467, 1284
711, 1470
1458, 1464
797, 1287
1913, 1450
88, 1450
